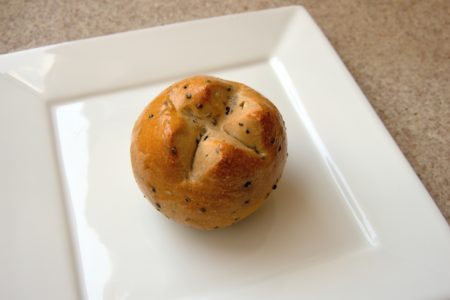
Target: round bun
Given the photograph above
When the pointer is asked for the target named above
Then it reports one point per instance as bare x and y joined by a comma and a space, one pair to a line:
208, 152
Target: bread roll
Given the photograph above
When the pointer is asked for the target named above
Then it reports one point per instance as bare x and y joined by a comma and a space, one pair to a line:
208, 152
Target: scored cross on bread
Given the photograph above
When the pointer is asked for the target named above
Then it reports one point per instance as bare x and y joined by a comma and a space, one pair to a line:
207, 152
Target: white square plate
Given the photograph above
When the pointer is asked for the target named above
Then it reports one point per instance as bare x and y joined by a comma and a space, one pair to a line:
350, 219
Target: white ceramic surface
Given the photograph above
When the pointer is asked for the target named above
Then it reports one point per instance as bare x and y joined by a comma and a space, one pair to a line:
350, 219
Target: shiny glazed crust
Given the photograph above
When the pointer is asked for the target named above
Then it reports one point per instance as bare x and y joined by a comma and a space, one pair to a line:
207, 152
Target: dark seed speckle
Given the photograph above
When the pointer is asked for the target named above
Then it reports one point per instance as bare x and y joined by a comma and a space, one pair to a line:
274, 187
241, 124
246, 201
247, 184
158, 206
189, 95
173, 150
247, 131
151, 116
199, 106
153, 189
203, 210
187, 199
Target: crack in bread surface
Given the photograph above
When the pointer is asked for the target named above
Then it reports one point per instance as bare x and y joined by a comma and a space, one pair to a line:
243, 144
200, 113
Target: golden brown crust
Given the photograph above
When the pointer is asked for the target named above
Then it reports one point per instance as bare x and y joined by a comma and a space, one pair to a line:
208, 152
